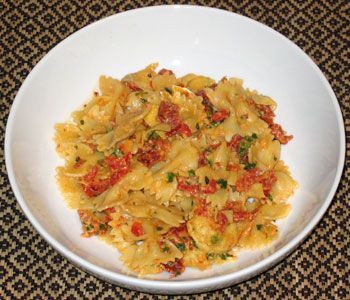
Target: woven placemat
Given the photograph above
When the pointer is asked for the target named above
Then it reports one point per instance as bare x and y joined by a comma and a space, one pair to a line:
31, 269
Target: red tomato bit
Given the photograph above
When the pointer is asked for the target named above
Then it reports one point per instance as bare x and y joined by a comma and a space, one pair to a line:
168, 113
132, 86
210, 188
277, 131
181, 129
268, 180
202, 208
250, 177
137, 228
192, 189
154, 151
234, 143
165, 72
222, 221
174, 267
219, 115
266, 113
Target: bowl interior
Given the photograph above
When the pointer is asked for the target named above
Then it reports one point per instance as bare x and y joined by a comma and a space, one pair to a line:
184, 39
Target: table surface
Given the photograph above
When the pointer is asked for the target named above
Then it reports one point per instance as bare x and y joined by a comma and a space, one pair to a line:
30, 268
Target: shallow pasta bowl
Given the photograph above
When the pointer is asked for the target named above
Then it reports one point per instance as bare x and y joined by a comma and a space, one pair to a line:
185, 39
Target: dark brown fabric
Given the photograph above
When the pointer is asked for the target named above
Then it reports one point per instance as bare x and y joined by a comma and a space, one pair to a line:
31, 269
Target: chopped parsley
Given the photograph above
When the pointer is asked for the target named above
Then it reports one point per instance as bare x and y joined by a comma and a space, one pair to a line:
210, 256
88, 227
259, 226
245, 144
118, 153
274, 158
82, 122
214, 239
191, 173
170, 176
143, 100
224, 255
169, 90
249, 166
153, 135
270, 197
181, 247
159, 228
102, 226
206, 179
209, 162
222, 183
165, 249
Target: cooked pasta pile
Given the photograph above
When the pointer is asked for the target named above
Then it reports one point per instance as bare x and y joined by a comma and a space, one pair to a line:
175, 172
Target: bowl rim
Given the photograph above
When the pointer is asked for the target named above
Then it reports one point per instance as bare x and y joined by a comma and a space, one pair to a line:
176, 286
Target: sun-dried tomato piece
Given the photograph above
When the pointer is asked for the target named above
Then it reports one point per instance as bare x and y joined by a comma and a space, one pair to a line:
91, 174
234, 143
181, 129
222, 221
242, 216
268, 180
266, 113
174, 267
279, 134
168, 113
192, 189
137, 229
202, 208
119, 164
154, 151
165, 72
250, 177
210, 188
133, 86
219, 115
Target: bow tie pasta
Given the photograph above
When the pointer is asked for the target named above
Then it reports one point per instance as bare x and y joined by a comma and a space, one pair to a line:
175, 172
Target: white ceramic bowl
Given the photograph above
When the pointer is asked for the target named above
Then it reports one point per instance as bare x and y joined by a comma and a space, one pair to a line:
186, 39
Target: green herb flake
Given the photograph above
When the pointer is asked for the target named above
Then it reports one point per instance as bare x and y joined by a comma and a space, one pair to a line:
102, 226
259, 226
222, 183
118, 153
191, 173
270, 197
165, 249
210, 256
88, 227
223, 255
181, 247
206, 180
169, 90
82, 122
249, 166
214, 239
143, 100
254, 136
170, 176
209, 162
159, 228
153, 135
274, 158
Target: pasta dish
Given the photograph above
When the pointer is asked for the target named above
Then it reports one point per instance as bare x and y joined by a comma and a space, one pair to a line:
175, 172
